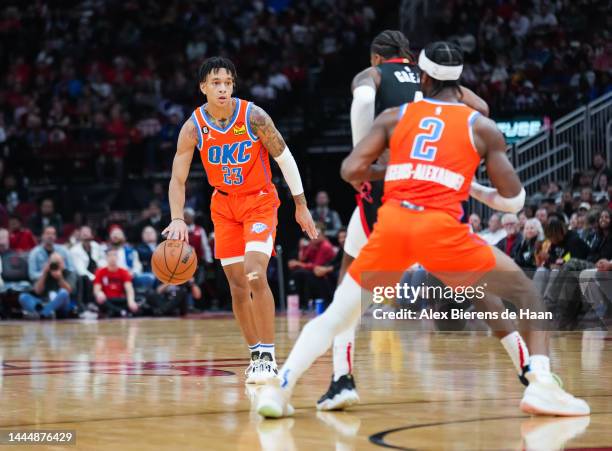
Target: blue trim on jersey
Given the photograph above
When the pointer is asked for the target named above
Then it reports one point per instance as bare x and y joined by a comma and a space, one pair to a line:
263, 165
231, 122
248, 122
441, 102
197, 126
473, 118
402, 110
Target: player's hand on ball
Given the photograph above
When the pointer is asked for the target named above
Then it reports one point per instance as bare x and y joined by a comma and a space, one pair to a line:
177, 230
304, 219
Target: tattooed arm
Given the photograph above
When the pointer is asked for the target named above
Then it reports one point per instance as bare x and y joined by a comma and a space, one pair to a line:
263, 127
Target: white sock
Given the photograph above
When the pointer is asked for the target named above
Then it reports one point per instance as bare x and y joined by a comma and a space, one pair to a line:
344, 349
539, 363
269, 348
317, 334
517, 350
254, 349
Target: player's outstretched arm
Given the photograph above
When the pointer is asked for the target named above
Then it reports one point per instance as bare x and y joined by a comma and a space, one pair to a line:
357, 167
472, 100
187, 140
263, 127
364, 87
507, 193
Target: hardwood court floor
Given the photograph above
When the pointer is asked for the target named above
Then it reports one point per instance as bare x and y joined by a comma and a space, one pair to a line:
178, 384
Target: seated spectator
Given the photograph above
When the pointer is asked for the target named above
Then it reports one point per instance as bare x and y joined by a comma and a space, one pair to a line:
564, 244
151, 216
599, 168
46, 216
113, 288
596, 287
322, 213
146, 248
317, 252
197, 237
51, 292
87, 255
512, 241
14, 265
21, 238
601, 195
475, 223
495, 233
542, 215
587, 228
526, 251
39, 256
128, 259
174, 299
333, 267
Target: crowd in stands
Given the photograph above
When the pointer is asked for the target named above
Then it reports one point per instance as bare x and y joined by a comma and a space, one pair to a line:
563, 239
532, 55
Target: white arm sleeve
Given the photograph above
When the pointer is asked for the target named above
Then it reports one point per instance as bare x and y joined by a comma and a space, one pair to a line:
489, 196
362, 112
290, 171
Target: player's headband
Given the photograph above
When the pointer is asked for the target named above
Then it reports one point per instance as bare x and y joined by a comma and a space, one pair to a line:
437, 71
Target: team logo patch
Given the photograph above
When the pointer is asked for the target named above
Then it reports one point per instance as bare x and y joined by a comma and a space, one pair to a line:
239, 129
258, 227
205, 129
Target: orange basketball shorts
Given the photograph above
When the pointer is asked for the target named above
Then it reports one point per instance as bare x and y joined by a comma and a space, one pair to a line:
239, 219
441, 244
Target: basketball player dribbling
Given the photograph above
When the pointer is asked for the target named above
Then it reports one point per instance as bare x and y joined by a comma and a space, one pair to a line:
392, 80
234, 138
435, 145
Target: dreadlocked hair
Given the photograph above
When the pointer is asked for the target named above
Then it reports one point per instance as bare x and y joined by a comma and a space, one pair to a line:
213, 64
390, 44
445, 54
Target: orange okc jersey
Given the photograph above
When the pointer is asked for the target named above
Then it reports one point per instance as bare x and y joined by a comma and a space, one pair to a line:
235, 160
432, 156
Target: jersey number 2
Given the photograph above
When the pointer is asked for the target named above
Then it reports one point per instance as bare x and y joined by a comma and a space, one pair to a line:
232, 176
422, 149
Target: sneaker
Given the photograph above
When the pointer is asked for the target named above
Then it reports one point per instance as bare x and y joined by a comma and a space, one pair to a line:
340, 395
273, 401
544, 396
89, 315
252, 372
267, 368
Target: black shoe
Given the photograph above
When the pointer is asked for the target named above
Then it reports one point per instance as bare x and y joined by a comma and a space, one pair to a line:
341, 394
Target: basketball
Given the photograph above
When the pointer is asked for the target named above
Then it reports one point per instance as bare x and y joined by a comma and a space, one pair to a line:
174, 262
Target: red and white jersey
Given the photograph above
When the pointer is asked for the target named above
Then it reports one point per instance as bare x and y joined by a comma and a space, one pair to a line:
235, 160
432, 156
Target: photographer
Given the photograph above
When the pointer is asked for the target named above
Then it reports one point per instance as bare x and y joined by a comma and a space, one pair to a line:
172, 299
51, 291
113, 287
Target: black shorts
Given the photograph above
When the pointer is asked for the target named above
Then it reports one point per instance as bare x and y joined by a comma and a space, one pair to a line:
369, 201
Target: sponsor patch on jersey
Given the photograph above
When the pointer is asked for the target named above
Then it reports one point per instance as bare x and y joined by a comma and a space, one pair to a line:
239, 129
205, 129
259, 227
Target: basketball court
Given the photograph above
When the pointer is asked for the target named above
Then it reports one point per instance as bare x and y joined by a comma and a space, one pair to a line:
178, 384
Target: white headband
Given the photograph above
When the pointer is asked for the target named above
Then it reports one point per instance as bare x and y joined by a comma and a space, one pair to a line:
437, 71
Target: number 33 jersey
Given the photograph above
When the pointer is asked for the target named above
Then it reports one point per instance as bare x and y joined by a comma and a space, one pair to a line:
235, 160
433, 157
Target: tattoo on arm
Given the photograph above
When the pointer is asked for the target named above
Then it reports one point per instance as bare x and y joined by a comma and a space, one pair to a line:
300, 199
263, 127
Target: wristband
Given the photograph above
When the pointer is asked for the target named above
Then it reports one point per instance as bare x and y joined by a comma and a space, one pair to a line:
178, 219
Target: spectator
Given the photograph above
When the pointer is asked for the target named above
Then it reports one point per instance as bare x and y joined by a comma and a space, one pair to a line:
599, 168
128, 259
512, 241
332, 269
46, 217
197, 237
152, 216
51, 290
601, 195
322, 213
564, 244
475, 223
39, 256
495, 233
21, 238
113, 287
174, 299
146, 248
542, 215
87, 255
13, 265
317, 252
526, 252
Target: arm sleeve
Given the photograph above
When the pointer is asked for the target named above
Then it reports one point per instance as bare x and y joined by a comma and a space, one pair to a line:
490, 197
290, 171
362, 112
